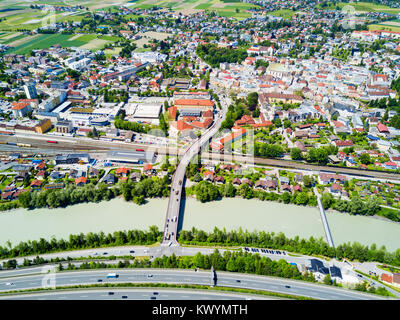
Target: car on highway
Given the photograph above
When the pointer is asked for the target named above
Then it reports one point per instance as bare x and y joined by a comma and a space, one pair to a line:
153, 298
149, 276
132, 251
238, 281
9, 284
155, 293
287, 286
124, 297
177, 192
110, 293
99, 280
104, 253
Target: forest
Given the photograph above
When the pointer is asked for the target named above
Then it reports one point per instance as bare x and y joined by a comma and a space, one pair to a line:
214, 55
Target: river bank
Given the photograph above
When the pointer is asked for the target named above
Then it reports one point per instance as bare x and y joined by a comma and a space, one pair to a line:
229, 213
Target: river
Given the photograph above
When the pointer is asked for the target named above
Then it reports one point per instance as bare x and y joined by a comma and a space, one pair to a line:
117, 214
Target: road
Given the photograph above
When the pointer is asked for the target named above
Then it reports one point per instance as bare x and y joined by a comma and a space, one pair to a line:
225, 279
136, 294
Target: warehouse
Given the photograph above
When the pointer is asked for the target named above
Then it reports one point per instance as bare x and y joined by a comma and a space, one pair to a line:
118, 156
144, 112
72, 158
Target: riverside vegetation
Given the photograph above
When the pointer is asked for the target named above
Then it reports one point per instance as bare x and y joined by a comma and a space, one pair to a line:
218, 237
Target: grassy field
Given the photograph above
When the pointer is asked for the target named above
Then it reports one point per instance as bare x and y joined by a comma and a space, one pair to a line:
30, 19
373, 27
235, 9
87, 41
363, 7
284, 13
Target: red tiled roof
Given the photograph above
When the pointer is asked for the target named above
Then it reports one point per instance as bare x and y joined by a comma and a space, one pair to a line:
122, 170
194, 102
80, 179
19, 105
344, 143
382, 128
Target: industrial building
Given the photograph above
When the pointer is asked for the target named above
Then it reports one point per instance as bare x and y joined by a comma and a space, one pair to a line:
73, 158
119, 156
144, 112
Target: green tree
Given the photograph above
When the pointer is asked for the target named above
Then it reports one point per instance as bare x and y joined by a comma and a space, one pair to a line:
295, 154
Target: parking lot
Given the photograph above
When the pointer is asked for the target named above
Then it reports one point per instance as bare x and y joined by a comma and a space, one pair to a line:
265, 251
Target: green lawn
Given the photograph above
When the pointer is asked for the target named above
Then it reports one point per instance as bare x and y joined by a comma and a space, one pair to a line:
284, 13
47, 40
373, 27
363, 7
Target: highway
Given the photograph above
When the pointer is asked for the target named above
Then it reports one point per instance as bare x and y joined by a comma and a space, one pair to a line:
136, 294
225, 279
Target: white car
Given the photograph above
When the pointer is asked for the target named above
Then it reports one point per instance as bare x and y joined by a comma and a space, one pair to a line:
9, 284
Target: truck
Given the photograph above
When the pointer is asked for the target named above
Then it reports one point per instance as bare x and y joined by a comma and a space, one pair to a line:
112, 275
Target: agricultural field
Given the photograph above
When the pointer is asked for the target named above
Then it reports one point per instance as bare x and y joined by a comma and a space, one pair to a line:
30, 19
42, 41
382, 26
363, 7
284, 13
227, 9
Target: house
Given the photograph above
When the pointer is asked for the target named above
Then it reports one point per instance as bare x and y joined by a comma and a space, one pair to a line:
271, 184
93, 172
326, 178
343, 143
109, 179
135, 176
52, 186
247, 181
297, 188
286, 187
236, 181
36, 184
335, 189
41, 175
317, 268
21, 176
73, 173
8, 195
298, 178
148, 169
284, 180
208, 176
80, 181
260, 184
122, 172
41, 166
56, 175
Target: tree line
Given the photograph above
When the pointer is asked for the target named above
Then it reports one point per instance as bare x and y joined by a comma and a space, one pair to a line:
206, 191
82, 241
311, 246
71, 194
